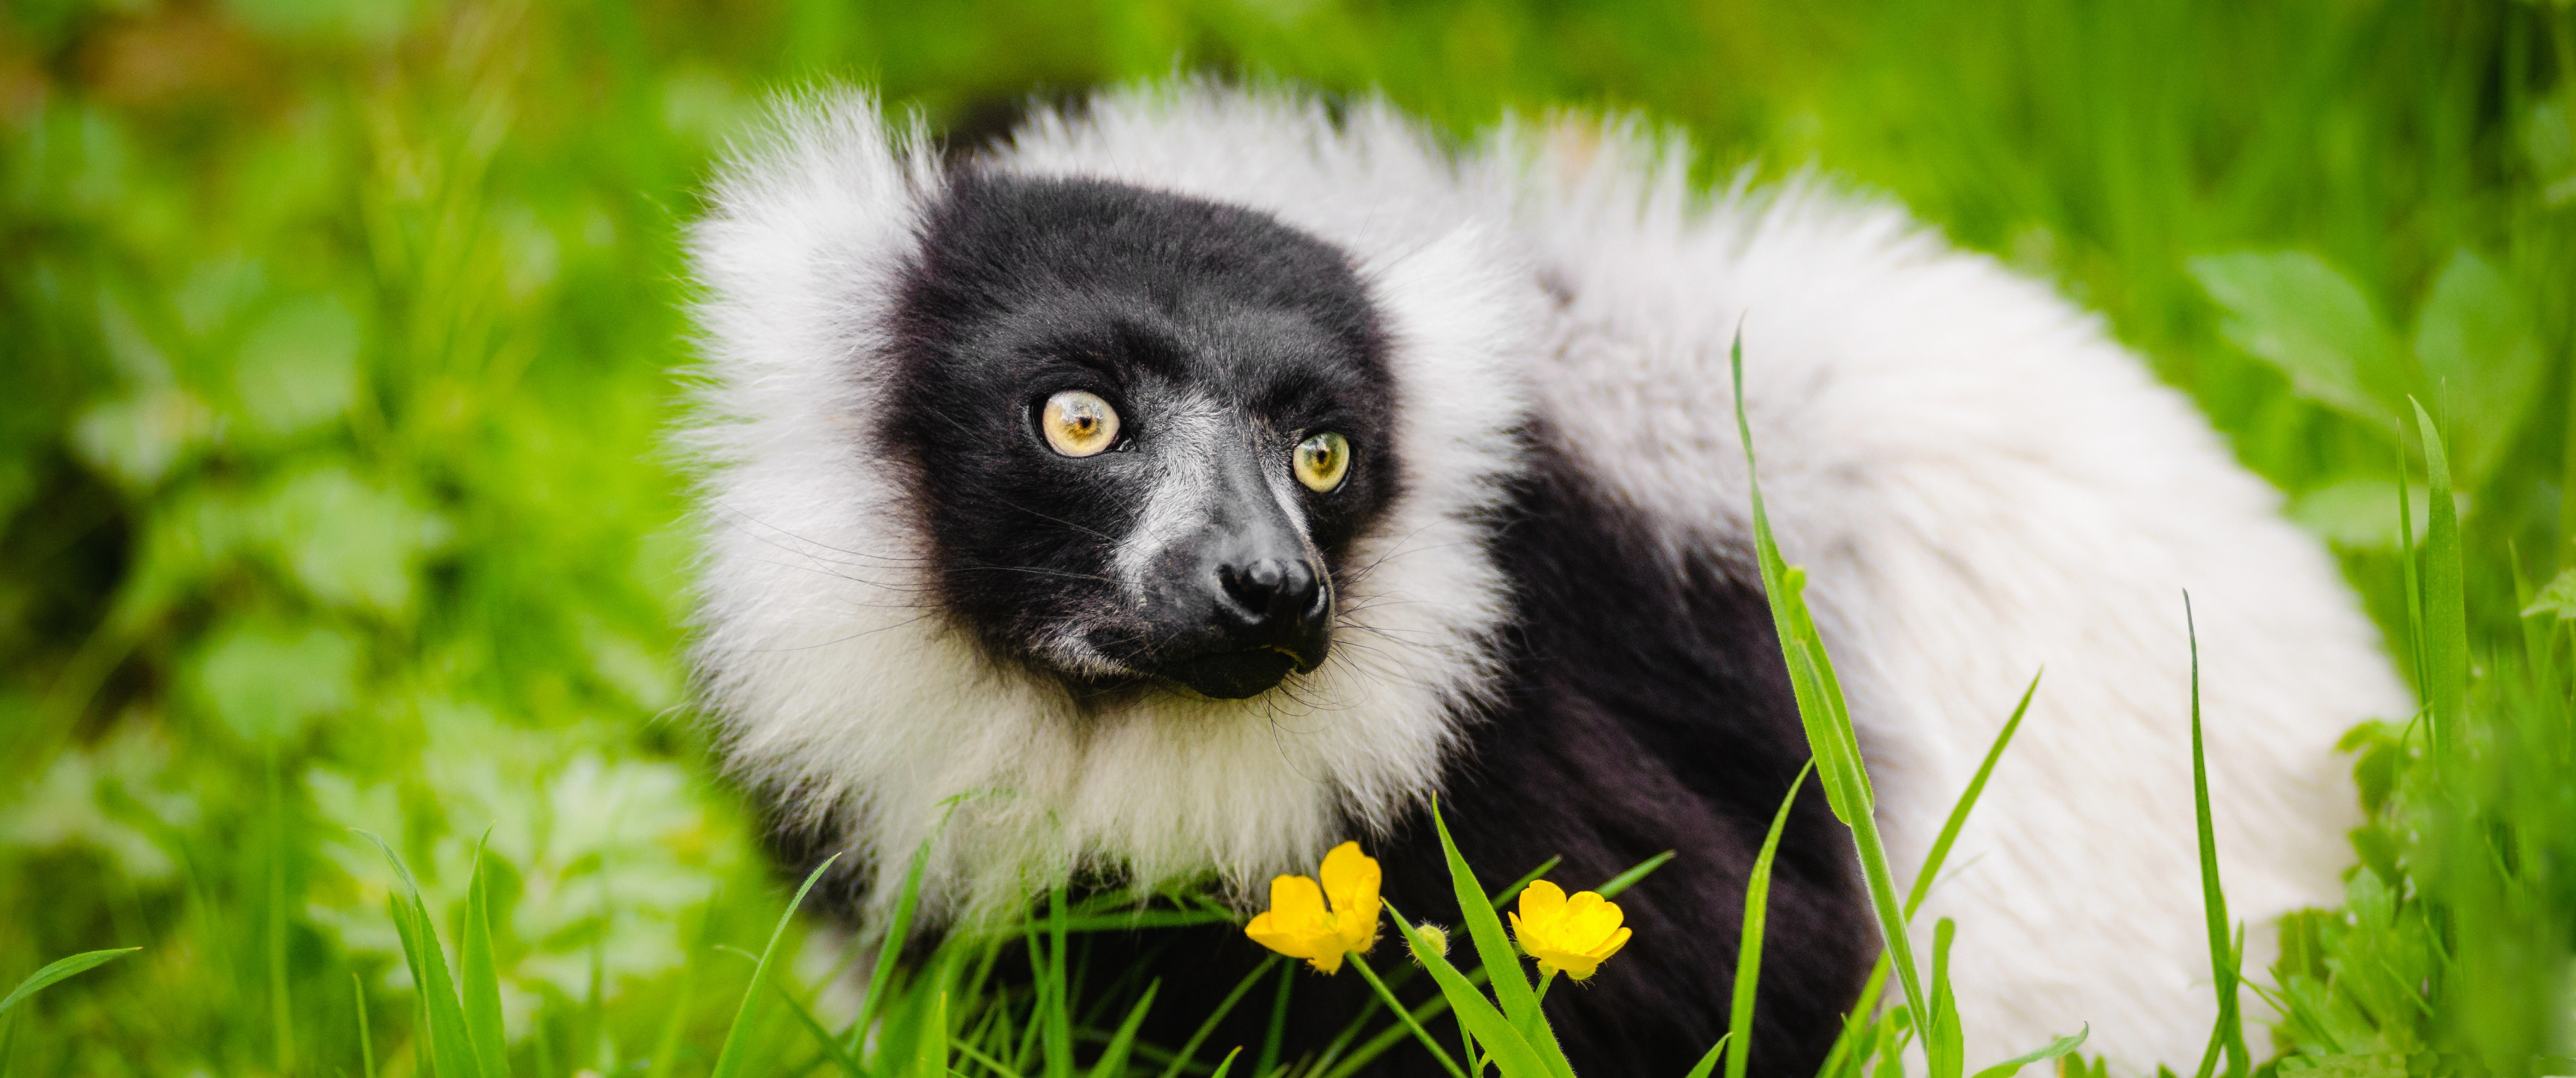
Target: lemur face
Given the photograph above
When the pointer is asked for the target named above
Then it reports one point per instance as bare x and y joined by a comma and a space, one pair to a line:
1145, 429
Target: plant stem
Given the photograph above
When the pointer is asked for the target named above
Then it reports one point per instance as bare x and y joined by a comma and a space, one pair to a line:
1400, 1010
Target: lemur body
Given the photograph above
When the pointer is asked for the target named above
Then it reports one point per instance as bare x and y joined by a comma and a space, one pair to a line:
1203, 480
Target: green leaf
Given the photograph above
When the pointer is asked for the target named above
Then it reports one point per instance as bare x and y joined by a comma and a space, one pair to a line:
138, 439
60, 969
2478, 354
2295, 312
481, 980
269, 682
1228, 1064
2056, 1048
347, 540
736, 1053
1748, 952
298, 367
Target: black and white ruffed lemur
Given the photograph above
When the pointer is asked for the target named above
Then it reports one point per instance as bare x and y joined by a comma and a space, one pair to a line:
1207, 477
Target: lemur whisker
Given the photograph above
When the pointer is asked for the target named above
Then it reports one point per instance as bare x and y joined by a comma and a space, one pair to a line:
819, 544
1034, 571
825, 644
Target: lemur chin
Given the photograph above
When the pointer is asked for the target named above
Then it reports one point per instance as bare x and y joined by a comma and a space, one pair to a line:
1208, 477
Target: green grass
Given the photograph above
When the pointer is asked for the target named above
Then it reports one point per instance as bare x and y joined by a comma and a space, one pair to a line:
338, 336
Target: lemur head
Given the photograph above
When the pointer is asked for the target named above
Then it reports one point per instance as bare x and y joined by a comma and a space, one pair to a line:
1145, 429
1120, 502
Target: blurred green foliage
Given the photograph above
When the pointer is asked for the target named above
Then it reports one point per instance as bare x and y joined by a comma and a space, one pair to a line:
336, 337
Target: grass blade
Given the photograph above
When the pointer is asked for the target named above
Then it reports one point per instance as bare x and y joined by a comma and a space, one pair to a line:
832, 1050
1708, 1063
1944, 1054
930, 1057
2446, 630
1493, 1030
1924, 880
1386, 1038
480, 979
1822, 711
1506, 895
2409, 572
666, 1048
1406, 1016
1968, 800
1278, 1033
59, 969
1228, 1064
366, 1038
1190, 1050
1057, 1019
1748, 953
451, 1050
1113, 1059
1630, 878
736, 1053
2056, 1048
281, 1002
881, 979
1494, 949
2230, 1031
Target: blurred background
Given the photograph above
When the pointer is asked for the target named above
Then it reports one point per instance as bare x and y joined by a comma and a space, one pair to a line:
335, 337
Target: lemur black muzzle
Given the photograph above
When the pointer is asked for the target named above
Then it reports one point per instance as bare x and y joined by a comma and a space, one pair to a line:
1253, 605
1272, 621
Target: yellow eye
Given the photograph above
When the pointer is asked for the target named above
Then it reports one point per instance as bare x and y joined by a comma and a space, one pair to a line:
1322, 461
1079, 424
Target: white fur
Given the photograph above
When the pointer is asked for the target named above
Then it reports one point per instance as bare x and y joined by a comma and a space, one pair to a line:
1978, 479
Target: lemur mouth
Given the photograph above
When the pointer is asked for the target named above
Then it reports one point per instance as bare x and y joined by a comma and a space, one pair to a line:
1234, 675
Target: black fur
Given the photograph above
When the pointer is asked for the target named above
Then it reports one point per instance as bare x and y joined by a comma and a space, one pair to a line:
1645, 708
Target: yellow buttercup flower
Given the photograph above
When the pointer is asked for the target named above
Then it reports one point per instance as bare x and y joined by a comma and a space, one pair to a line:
1571, 934
1300, 925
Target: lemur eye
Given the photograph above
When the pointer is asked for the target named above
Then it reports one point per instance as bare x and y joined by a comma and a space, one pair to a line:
1322, 461
1079, 424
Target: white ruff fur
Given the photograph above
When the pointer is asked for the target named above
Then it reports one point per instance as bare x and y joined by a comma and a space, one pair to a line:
1978, 479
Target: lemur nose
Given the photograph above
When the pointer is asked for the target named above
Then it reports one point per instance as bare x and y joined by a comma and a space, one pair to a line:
1275, 590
